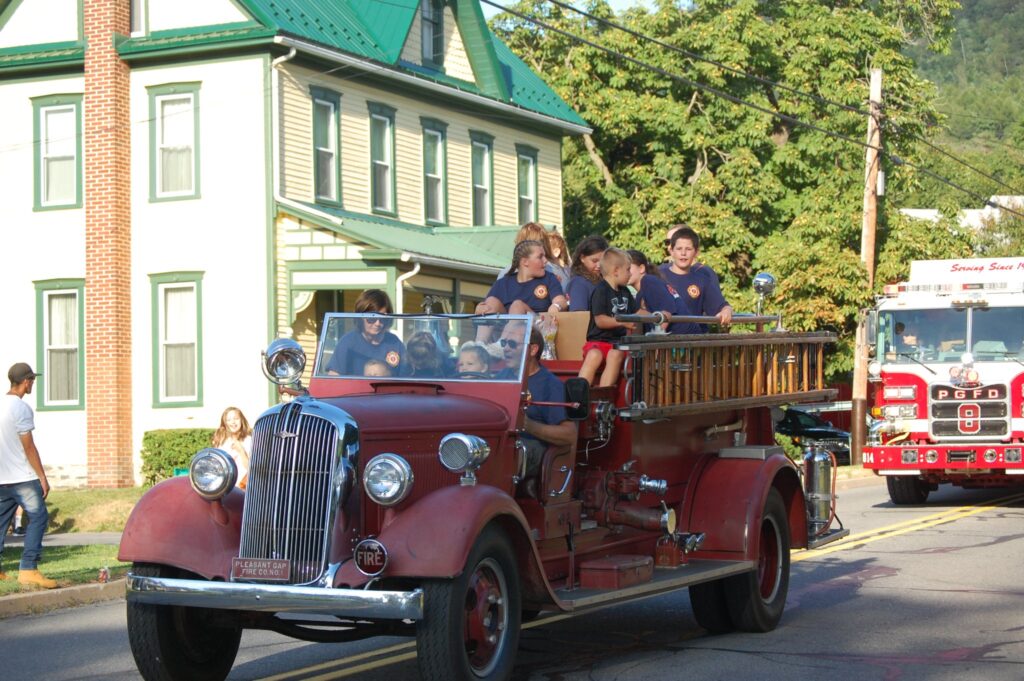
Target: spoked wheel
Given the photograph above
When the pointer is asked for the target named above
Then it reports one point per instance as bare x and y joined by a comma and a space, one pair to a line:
756, 599
175, 643
470, 627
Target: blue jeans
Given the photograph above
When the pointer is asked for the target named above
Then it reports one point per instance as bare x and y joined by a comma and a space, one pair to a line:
28, 495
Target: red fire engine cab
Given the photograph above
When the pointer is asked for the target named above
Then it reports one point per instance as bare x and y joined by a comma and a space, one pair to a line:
398, 503
948, 376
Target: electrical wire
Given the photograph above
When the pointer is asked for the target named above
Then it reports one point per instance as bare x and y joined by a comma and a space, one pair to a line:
896, 160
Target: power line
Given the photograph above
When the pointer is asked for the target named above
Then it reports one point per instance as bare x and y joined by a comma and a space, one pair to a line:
896, 160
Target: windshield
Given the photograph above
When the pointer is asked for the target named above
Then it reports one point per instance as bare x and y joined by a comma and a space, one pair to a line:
423, 347
990, 334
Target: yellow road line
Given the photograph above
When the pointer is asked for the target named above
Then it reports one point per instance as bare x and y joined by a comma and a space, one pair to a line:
851, 541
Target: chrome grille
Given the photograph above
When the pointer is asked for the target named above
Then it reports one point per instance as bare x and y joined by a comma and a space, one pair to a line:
288, 501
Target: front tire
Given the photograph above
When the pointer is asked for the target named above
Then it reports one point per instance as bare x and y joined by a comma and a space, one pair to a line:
905, 490
470, 626
176, 643
756, 599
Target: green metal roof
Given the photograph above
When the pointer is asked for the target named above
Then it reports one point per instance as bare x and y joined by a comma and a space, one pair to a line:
50, 54
481, 246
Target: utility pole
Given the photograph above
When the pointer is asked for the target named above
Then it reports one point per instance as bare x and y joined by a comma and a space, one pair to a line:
858, 416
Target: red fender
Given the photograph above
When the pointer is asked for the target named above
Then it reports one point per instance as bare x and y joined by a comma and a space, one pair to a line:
172, 525
729, 497
433, 538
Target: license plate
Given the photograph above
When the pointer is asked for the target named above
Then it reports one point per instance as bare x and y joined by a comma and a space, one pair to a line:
262, 569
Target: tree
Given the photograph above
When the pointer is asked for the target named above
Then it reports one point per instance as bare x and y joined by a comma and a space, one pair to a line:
763, 193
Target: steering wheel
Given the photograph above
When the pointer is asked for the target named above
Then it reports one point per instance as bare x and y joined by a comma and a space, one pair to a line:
472, 374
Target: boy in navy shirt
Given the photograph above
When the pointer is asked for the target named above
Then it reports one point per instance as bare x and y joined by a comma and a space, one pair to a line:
610, 297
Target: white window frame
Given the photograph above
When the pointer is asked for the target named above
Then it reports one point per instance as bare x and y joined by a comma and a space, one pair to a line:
332, 124
163, 341
48, 348
437, 177
160, 100
431, 26
44, 157
486, 187
531, 182
387, 163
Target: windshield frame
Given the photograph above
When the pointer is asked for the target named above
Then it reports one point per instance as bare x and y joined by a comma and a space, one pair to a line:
404, 326
942, 335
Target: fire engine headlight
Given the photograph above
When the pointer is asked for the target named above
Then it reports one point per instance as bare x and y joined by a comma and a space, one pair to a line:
1012, 455
971, 375
900, 392
459, 453
931, 456
212, 473
875, 369
895, 411
989, 456
388, 479
283, 361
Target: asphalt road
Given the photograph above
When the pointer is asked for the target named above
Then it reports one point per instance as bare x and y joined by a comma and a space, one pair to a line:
921, 593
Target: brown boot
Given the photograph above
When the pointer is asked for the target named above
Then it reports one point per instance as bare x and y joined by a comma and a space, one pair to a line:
35, 578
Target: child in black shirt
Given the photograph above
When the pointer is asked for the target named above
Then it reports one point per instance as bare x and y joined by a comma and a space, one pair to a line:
610, 297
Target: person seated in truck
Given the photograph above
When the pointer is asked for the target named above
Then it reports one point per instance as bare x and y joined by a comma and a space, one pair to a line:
369, 340
699, 291
376, 368
424, 358
653, 293
527, 287
611, 297
586, 272
543, 426
473, 359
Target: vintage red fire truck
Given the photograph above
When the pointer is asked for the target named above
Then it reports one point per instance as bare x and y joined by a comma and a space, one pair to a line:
398, 504
948, 376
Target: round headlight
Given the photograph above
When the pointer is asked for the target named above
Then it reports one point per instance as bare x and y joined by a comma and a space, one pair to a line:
388, 479
212, 473
875, 368
283, 361
459, 452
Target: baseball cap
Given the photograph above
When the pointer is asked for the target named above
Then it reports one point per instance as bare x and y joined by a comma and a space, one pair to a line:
19, 372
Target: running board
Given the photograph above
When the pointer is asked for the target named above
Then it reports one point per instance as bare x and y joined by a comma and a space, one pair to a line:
827, 538
694, 572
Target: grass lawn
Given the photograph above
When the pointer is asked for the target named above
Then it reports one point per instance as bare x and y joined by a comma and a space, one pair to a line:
67, 564
91, 510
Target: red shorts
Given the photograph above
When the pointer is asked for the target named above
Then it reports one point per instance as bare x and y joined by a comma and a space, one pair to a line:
603, 346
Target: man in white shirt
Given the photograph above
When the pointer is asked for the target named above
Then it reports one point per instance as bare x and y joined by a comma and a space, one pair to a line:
22, 478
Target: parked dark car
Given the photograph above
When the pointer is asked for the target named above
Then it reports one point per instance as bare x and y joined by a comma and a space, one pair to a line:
805, 427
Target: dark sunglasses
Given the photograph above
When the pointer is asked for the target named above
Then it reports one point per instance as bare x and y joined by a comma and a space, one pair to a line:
509, 343
378, 320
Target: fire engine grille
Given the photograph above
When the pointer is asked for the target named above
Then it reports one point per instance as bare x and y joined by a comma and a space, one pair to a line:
288, 497
958, 413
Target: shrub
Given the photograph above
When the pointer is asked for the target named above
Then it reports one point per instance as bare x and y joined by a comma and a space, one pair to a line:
165, 450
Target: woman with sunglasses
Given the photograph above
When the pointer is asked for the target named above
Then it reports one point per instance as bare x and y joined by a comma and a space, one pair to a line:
370, 340
528, 286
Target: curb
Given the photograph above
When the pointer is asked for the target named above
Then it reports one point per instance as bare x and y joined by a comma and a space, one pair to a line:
36, 602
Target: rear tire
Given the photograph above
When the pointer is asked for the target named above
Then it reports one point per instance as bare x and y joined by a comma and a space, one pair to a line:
756, 599
907, 489
710, 608
470, 626
176, 643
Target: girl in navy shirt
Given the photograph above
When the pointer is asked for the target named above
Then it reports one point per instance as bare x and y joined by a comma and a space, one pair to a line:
528, 286
586, 271
654, 294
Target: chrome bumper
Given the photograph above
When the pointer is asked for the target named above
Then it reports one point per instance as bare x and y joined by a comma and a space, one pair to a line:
351, 603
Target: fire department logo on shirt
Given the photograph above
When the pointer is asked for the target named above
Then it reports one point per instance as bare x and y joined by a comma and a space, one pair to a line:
693, 290
393, 358
541, 292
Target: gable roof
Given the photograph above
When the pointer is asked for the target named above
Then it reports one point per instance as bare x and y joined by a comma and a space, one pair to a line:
375, 31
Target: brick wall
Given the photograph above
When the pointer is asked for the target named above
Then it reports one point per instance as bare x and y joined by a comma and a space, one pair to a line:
108, 339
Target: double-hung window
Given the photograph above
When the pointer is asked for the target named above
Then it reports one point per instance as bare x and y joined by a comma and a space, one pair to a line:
59, 313
382, 158
177, 339
327, 168
482, 177
432, 32
58, 157
527, 172
174, 141
435, 203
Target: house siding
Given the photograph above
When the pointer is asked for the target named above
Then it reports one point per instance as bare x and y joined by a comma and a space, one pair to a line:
456, 61
163, 15
297, 160
35, 22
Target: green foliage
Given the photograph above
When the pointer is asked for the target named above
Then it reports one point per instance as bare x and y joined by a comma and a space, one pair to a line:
69, 565
165, 450
764, 194
91, 509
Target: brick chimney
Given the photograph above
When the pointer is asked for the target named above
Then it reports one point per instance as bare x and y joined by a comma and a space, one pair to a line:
108, 337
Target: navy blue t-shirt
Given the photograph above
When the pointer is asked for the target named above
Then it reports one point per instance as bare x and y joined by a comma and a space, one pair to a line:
579, 291
544, 386
536, 293
609, 301
699, 291
354, 351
